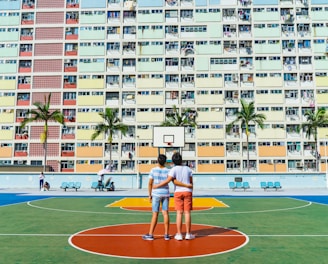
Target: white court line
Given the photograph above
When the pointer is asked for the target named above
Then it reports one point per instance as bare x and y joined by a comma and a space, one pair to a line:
194, 212
139, 235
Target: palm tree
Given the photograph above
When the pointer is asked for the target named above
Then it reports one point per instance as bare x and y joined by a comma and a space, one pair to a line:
186, 119
314, 121
246, 116
44, 114
110, 126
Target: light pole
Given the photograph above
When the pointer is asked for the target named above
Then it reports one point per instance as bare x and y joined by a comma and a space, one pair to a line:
326, 160
136, 165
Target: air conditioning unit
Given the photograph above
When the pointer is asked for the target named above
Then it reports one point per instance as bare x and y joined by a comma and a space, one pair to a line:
299, 164
20, 162
123, 162
298, 10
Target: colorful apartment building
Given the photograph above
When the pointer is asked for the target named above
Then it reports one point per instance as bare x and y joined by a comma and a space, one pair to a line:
145, 56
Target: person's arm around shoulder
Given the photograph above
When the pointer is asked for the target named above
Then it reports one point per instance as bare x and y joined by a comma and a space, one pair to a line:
150, 187
163, 183
178, 183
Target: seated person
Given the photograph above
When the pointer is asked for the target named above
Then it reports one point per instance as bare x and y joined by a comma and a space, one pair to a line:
46, 186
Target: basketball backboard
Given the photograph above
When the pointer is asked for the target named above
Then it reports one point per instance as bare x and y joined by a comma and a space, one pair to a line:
167, 137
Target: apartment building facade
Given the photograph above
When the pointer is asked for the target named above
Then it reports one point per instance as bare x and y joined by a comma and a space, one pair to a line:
143, 57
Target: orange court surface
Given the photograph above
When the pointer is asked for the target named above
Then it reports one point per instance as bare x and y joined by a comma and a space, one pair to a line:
143, 204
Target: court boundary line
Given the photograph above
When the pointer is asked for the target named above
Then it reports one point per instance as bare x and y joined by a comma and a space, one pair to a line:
139, 235
29, 203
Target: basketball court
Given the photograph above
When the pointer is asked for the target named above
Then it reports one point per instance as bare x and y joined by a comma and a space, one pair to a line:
108, 229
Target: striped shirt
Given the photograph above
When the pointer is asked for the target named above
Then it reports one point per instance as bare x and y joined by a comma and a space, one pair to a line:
158, 175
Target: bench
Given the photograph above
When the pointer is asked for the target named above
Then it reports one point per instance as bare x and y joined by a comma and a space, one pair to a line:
239, 185
64, 186
74, 185
270, 185
96, 186
70, 185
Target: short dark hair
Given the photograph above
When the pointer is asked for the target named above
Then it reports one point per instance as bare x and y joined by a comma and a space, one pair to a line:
161, 159
177, 158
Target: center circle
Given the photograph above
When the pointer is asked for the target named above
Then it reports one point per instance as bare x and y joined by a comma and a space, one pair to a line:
125, 241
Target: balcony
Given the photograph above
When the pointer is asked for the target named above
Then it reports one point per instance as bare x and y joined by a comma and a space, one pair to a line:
70, 66
72, 5
72, 18
24, 86
28, 4
70, 85
23, 99
69, 119
67, 153
69, 102
26, 50
20, 153
25, 66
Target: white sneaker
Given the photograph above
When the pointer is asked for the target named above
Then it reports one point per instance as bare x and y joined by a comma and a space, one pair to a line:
189, 236
178, 237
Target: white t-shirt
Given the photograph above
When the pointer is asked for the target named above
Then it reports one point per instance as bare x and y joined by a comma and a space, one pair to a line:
182, 174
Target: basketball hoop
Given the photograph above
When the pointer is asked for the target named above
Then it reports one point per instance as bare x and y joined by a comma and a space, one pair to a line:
169, 144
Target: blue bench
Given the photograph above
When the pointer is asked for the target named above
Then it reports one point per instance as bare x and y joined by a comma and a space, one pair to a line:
70, 185
64, 186
270, 185
96, 186
239, 185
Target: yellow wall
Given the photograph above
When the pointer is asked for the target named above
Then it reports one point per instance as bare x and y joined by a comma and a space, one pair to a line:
272, 151
7, 84
150, 83
145, 168
148, 152
210, 134
85, 134
210, 116
265, 167
272, 116
322, 98
321, 81
6, 152
88, 117
150, 99
211, 168
210, 152
209, 82
6, 117
89, 168
150, 116
277, 133
144, 134
210, 99
7, 101
269, 82
7, 134
89, 152
93, 100
269, 98
91, 83
323, 151
323, 133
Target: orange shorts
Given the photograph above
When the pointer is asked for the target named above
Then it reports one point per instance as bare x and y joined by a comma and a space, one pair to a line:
183, 201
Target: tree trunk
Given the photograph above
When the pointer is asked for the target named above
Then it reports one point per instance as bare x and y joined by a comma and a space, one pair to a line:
247, 151
45, 147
